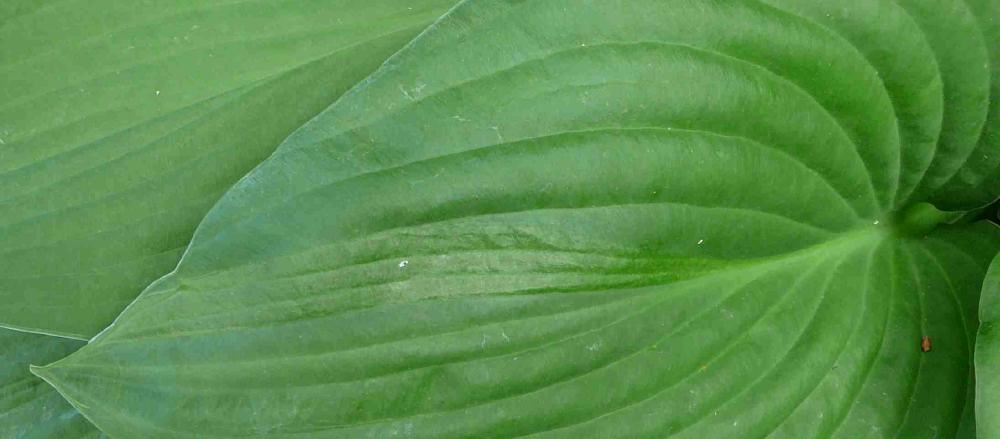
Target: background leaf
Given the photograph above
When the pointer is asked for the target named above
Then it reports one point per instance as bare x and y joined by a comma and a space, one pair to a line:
121, 123
29, 408
988, 356
585, 219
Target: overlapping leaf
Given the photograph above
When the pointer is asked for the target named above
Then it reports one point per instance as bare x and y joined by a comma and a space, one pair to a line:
121, 123
988, 356
30, 408
574, 218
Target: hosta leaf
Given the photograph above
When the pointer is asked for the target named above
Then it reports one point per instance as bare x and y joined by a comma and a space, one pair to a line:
947, 123
29, 408
121, 123
570, 218
978, 180
988, 356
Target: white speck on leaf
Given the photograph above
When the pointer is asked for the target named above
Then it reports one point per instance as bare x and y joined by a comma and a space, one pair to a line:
406, 93
404, 263
700, 241
157, 92
876, 222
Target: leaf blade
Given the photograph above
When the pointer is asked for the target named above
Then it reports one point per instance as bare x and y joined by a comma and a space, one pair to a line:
523, 225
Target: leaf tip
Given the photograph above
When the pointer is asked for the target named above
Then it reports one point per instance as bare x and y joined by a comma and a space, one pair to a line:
39, 371
50, 374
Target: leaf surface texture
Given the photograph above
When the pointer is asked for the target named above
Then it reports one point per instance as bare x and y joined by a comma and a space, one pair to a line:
575, 218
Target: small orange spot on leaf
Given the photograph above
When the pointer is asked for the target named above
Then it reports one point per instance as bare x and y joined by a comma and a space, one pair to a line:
925, 344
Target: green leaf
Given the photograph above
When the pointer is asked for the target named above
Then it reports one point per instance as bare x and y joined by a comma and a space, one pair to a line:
948, 125
29, 408
988, 356
978, 181
121, 124
569, 218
